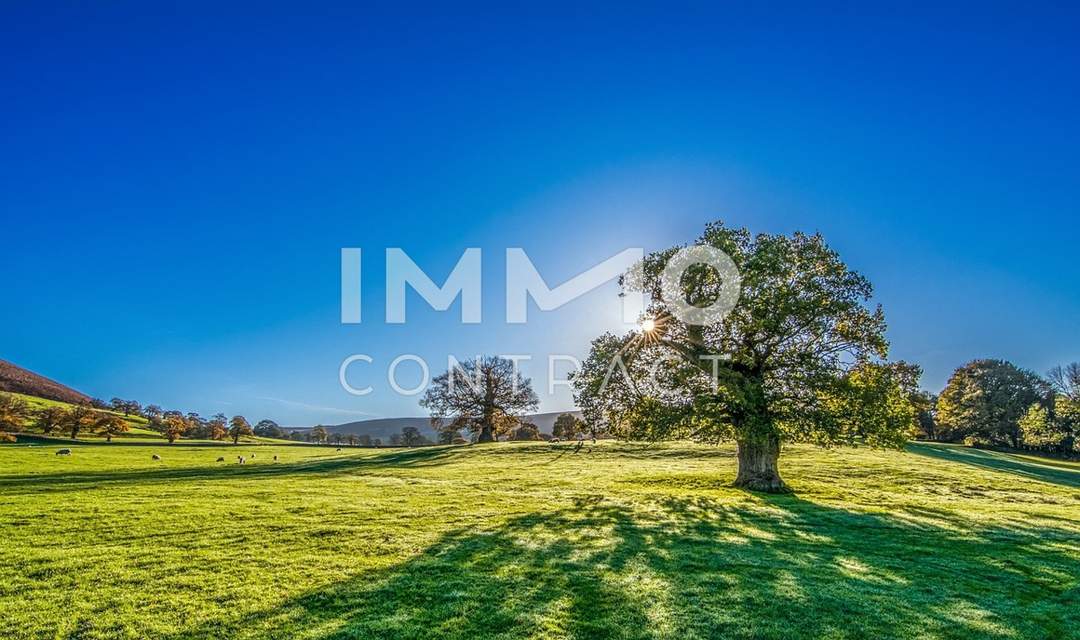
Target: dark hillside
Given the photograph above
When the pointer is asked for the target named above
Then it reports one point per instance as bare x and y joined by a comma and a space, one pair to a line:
15, 379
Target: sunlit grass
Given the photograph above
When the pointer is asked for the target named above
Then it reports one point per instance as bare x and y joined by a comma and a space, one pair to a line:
533, 541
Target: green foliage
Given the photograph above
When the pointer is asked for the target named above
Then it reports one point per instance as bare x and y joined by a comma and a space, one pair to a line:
987, 398
239, 427
791, 363
514, 541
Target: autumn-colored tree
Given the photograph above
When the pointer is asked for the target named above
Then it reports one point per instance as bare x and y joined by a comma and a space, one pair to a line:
173, 426
239, 426
776, 363
319, 434
79, 418
50, 418
217, 427
110, 424
14, 412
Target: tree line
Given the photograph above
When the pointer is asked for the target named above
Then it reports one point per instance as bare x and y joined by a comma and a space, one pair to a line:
113, 418
996, 403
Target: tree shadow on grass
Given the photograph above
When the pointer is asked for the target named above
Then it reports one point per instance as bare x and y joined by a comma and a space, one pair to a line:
338, 465
696, 568
998, 461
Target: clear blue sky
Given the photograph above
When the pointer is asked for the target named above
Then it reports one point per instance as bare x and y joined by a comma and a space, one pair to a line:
177, 183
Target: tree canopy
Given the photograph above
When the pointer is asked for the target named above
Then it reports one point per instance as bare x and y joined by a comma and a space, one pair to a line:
799, 357
486, 396
986, 399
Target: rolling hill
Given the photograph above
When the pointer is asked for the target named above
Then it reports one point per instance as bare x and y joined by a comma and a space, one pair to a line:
15, 379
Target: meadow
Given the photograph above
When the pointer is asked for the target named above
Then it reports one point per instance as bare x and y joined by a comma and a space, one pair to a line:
517, 540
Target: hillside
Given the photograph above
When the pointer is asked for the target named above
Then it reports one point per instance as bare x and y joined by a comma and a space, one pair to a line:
15, 379
523, 540
385, 427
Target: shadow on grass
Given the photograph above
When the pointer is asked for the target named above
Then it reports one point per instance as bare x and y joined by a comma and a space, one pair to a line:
58, 482
998, 461
695, 568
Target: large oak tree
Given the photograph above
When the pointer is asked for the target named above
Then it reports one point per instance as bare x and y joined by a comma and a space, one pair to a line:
800, 357
486, 396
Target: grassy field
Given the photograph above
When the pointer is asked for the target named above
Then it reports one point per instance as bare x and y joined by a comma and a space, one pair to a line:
533, 541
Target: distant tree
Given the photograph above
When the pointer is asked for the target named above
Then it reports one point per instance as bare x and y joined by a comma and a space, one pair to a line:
447, 436
352, 439
152, 411
775, 370
298, 436
1038, 429
239, 426
127, 407
411, 437
79, 418
173, 426
14, 412
217, 427
986, 399
269, 429
98, 403
482, 396
110, 424
526, 431
377, 442
338, 438
566, 426
395, 440
364, 440
319, 434
198, 427
50, 418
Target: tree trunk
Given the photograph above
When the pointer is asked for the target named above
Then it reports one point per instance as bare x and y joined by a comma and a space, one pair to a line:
758, 469
486, 434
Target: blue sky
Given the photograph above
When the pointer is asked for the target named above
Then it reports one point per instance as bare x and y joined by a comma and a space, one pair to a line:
178, 182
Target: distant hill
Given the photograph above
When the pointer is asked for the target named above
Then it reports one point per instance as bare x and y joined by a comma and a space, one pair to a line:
14, 378
385, 427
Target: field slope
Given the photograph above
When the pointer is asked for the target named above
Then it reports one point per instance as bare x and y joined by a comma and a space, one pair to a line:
533, 541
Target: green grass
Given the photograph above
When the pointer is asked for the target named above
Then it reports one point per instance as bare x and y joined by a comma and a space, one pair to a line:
531, 541
138, 425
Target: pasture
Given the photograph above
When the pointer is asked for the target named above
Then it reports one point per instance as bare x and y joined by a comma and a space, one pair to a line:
532, 541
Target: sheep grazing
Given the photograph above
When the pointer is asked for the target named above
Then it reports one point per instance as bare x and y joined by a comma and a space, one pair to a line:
275, 458
155, 457
339, 449
63, 452
554, 441
253, 456
242, 461
221, 459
